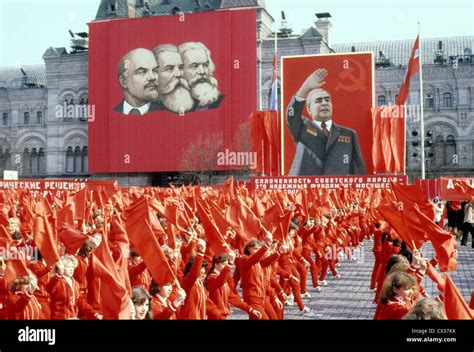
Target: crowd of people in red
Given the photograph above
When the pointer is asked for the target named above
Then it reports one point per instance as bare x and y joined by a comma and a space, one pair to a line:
195, 252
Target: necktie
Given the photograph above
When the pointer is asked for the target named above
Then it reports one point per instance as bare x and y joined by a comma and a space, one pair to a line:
325, 130
135, 112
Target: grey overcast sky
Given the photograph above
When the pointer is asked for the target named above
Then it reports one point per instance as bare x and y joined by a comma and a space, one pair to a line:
29, 27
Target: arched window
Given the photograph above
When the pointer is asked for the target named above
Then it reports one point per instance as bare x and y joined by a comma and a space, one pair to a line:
26, 162
78, 160
381, 100
42, 161
450, 150
34, 162
83, 111
439, 152
26, 118
68, 102
69, 160
447, 100
85, 160
5, 160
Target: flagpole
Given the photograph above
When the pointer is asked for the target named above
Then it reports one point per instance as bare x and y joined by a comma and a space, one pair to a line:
273, 93
260, 75
422, 122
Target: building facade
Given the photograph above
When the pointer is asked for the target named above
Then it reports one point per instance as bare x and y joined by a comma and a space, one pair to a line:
44, 108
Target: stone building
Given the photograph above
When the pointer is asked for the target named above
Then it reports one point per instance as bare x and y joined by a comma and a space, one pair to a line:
43, 108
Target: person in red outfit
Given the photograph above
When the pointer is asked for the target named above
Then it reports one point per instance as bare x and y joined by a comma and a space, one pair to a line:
390, 247
162, 306
377, 250
83, 259
137, 271
41, 271
219, 286
66, 299
290, 278
3, 292
309, 245
252, 276
396, 298
194, 306
22, 303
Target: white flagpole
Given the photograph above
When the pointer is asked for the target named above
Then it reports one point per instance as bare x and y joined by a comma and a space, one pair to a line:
260, 106
273, 93
422, 122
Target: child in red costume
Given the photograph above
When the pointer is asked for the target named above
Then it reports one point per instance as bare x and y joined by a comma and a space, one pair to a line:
396, 298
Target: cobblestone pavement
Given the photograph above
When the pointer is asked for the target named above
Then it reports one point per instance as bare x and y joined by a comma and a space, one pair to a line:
349, 297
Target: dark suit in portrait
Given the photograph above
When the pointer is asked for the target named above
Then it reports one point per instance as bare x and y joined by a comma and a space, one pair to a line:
154, 106
339, 154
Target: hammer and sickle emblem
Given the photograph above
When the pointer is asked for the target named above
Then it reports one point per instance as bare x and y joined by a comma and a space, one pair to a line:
356, 83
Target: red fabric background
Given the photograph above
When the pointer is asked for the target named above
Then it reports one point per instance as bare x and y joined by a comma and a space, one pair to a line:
156, 141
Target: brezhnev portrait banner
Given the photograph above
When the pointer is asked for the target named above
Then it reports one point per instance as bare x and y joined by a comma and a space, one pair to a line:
326, 114
162, 82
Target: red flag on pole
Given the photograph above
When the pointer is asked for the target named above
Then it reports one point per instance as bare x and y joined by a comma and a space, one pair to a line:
215, 240
140, 233
412, 68
443, 242
44, 239
455, 307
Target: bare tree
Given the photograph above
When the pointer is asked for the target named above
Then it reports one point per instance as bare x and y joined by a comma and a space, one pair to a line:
243, 141
200, 158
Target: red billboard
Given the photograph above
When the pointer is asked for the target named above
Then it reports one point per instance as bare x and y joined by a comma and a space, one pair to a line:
326, 114
164, 85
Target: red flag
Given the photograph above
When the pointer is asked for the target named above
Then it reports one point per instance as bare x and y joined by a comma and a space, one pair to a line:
213, 237
443, 242
271, 218
265, 141
393, 215
72, 239
258, 206
4, 220
66, 216
15, 268
79, 204
229, 187
219, 219
140, 233
113, 291
464, 187
281, 232
5, 237
242, 219
455, 306
410, 195
44, 239
412, 68
386, 131
397, 138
